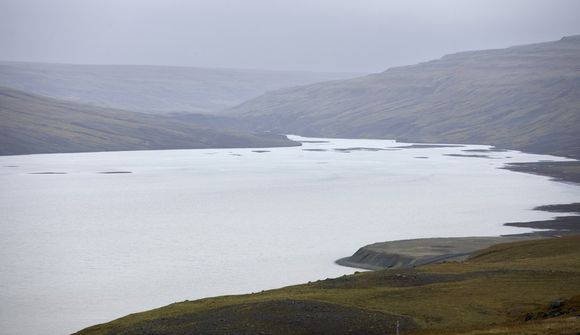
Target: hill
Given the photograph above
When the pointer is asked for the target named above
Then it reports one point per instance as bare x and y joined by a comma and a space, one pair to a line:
524, 97
33, 124
155, 89
528, 287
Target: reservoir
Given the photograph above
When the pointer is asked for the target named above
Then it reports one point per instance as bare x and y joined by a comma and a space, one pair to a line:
90, 237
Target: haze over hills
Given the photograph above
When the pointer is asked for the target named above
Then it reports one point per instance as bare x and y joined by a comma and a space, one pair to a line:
34, 124
524, 97
154, 89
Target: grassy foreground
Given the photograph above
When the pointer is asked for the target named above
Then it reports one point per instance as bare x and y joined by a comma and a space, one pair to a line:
530, 287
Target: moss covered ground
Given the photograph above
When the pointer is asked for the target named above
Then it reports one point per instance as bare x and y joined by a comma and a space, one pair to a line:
503, 289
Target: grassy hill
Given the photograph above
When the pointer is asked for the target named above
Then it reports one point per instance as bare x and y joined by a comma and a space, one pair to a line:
524, 97
529, 287
31, 124
155, 89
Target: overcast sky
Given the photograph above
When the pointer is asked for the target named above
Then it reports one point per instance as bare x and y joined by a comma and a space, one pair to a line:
314, 35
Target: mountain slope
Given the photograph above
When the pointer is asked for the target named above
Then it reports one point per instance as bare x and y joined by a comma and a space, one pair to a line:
156, 89
32, 124
525, 97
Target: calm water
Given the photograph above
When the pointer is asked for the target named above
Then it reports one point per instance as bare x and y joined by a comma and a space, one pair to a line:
84, 247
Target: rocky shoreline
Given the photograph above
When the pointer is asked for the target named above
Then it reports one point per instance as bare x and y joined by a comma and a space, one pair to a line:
416, 252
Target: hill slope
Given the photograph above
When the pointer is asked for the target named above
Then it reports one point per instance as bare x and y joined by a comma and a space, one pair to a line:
32, 124
527, 287
156, 89
525, 97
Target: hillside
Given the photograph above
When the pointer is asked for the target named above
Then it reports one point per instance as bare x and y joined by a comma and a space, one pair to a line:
31, 124
526, 287
415, 252
155, 89
524, 97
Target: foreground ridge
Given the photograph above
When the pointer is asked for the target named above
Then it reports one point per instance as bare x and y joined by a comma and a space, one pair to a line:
511, 287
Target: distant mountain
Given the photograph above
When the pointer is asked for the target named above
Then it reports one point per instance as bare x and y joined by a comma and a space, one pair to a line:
31, 124
524, 97
154, 89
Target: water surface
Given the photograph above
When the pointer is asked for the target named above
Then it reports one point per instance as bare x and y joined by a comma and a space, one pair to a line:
90, 237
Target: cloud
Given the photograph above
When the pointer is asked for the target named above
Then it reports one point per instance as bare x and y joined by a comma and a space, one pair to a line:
320, 35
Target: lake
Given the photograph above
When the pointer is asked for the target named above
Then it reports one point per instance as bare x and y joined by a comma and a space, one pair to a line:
90, 237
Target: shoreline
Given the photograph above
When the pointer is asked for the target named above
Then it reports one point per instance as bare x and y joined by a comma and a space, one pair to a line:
567, 172
401, 254
484, 274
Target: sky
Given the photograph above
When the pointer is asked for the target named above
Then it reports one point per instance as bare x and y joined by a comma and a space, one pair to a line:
307, 35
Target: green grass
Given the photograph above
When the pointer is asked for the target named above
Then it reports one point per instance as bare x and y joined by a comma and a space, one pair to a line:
496, 287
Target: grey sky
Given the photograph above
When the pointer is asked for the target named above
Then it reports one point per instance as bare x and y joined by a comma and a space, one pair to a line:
318, 35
